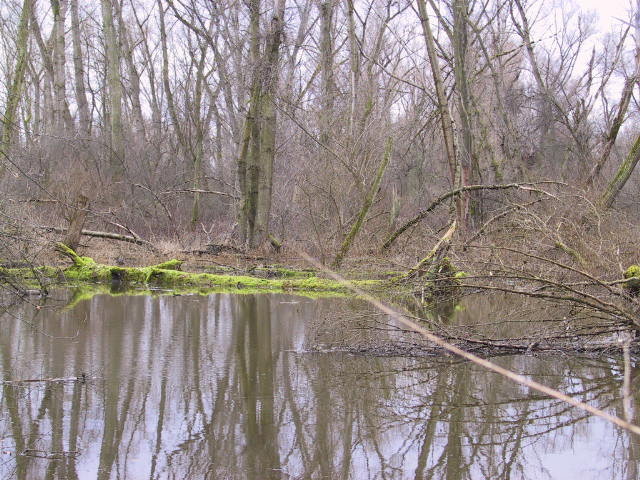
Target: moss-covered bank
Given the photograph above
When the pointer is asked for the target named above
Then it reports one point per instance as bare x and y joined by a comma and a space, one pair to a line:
168, 275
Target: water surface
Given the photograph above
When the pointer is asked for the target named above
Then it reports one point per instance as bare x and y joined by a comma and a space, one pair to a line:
242, 387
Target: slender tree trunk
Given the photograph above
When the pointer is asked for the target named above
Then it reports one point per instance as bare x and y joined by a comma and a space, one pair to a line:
200, 125
61, 115
512, 147
326, 69
446, 122
47, 120
134, 77
466, 154
117, 156
366, 205
84, 125
15, 92
148, 64
248, 167
354, 63
625, 99
171, 106
622, 175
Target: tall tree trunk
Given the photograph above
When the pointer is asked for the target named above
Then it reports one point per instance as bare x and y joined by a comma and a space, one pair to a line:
116, 154
270, 77
171, 106
61, 116
446, 122
134, 77
148, 66
354, 63
47, 86
257, 150
13, 98
84, 124
247, 163
200, 126
466, 154
326, 69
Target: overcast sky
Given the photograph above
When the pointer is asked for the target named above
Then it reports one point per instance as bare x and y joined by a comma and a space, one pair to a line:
607, 10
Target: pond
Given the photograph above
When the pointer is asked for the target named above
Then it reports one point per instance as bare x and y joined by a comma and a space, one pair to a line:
244, 387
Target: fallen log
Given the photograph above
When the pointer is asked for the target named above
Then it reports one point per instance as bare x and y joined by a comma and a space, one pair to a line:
107, 235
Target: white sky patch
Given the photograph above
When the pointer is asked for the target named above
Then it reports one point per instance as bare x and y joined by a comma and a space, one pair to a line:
610, 12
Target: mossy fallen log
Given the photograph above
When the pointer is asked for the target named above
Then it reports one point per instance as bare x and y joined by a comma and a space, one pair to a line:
168, 275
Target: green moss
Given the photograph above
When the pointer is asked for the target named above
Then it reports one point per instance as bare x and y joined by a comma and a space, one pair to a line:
93, 278
170, 265
632, 274
632, 271
442, 281
31, 277
281, 272
167, 275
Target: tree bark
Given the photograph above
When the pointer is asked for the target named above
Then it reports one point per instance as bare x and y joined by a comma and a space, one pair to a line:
326, 70
354, 65
134, 76
257, 150
61, 115
84, 124
446, 122
466, 154
15, 92
116, 154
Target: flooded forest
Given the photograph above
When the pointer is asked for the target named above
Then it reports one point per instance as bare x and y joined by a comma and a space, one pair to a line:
319, 239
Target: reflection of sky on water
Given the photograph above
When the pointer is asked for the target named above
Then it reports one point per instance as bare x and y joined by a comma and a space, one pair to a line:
225, 386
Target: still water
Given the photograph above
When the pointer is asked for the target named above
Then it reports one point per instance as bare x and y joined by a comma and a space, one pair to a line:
240, 387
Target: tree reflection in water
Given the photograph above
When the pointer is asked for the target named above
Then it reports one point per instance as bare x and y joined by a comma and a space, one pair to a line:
230, 387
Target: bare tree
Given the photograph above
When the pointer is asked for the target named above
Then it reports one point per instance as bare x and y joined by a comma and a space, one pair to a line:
15, 92
114, 80
84, 121
255, 161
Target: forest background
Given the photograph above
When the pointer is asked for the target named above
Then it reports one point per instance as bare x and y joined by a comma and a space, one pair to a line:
484, 130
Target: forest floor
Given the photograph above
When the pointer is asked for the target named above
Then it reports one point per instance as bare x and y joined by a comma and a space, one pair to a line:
217, 259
